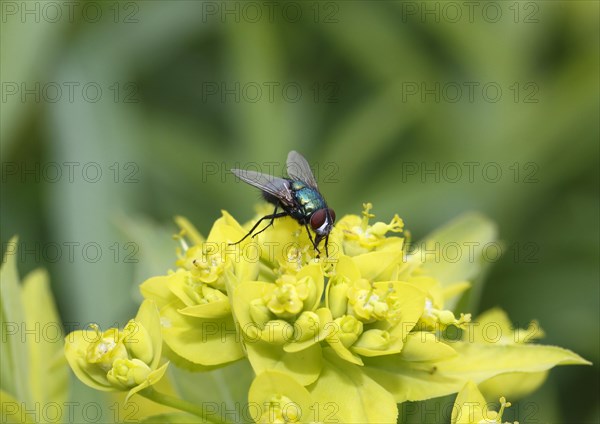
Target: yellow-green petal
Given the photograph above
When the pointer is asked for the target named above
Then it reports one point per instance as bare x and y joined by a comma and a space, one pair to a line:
424, 346
148, 316
470, 406
346, 267
158, 288
48, 373
472, 232
411, 381
514, 385
378, 266
152, 378
243, 297
138, 342
348, 395
200, 341
275, 393
218, 309
303, 366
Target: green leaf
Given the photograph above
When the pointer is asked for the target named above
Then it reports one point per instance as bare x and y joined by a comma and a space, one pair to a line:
49, 376
349, 395
15, 373
411, 381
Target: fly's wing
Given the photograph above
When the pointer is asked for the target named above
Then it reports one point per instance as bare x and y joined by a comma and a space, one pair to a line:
275, 186
299, 169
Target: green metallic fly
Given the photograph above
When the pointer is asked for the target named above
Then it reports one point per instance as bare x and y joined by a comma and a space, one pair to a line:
298, 196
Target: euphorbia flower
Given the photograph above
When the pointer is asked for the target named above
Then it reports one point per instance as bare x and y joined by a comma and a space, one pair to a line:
195, 307
281, 323
387, 310
119, 360
357, 236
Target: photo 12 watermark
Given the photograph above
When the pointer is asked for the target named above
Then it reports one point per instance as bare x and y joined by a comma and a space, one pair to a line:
470, 12
474, 252
69, 92
71, 251
470, 92
69, 172
470, 172
439, 411
72, 12
269, 92
288, 12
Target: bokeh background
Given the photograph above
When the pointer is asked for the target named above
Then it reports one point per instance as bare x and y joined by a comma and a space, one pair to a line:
115, 117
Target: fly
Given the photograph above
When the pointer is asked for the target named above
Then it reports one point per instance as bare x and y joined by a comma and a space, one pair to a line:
297, 196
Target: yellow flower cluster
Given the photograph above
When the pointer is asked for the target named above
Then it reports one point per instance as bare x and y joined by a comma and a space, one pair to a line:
363, 329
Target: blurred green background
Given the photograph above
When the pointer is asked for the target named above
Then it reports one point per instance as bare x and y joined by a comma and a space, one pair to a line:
117, 116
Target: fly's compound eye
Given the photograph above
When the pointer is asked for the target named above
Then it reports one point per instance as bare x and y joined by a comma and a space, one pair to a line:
332, 215
317, 220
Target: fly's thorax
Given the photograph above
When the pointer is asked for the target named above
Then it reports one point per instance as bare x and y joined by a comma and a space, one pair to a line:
307, 198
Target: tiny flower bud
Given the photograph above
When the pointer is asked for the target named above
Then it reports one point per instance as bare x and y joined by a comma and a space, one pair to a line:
338, 297
349, 329
278, 332
127, 373
259, 312
306, 326
374, 339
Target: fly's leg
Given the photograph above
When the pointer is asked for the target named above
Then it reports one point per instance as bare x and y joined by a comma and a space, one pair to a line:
272, 217
315, 245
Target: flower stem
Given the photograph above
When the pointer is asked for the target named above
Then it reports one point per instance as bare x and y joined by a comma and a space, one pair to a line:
180, 404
